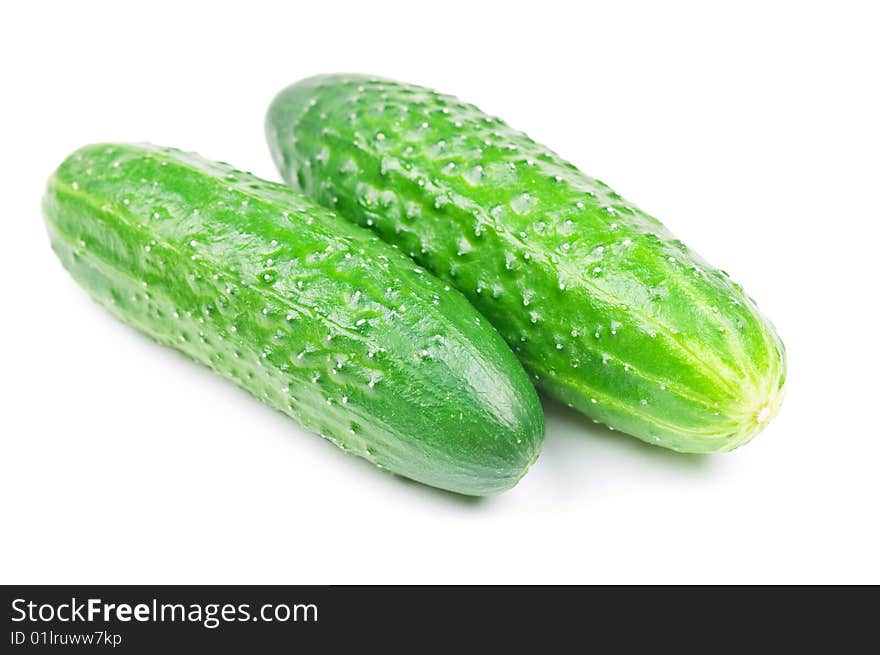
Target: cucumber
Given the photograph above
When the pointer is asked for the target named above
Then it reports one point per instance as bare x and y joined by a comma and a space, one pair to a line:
314, 316
607, 310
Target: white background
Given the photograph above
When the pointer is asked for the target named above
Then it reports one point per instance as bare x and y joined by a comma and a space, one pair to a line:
752, 131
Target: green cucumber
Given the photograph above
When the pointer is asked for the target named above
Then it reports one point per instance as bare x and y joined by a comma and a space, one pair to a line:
315, 316
606, 309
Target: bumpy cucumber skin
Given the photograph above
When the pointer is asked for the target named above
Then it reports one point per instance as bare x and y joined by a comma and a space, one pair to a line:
313, 315
607, 310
